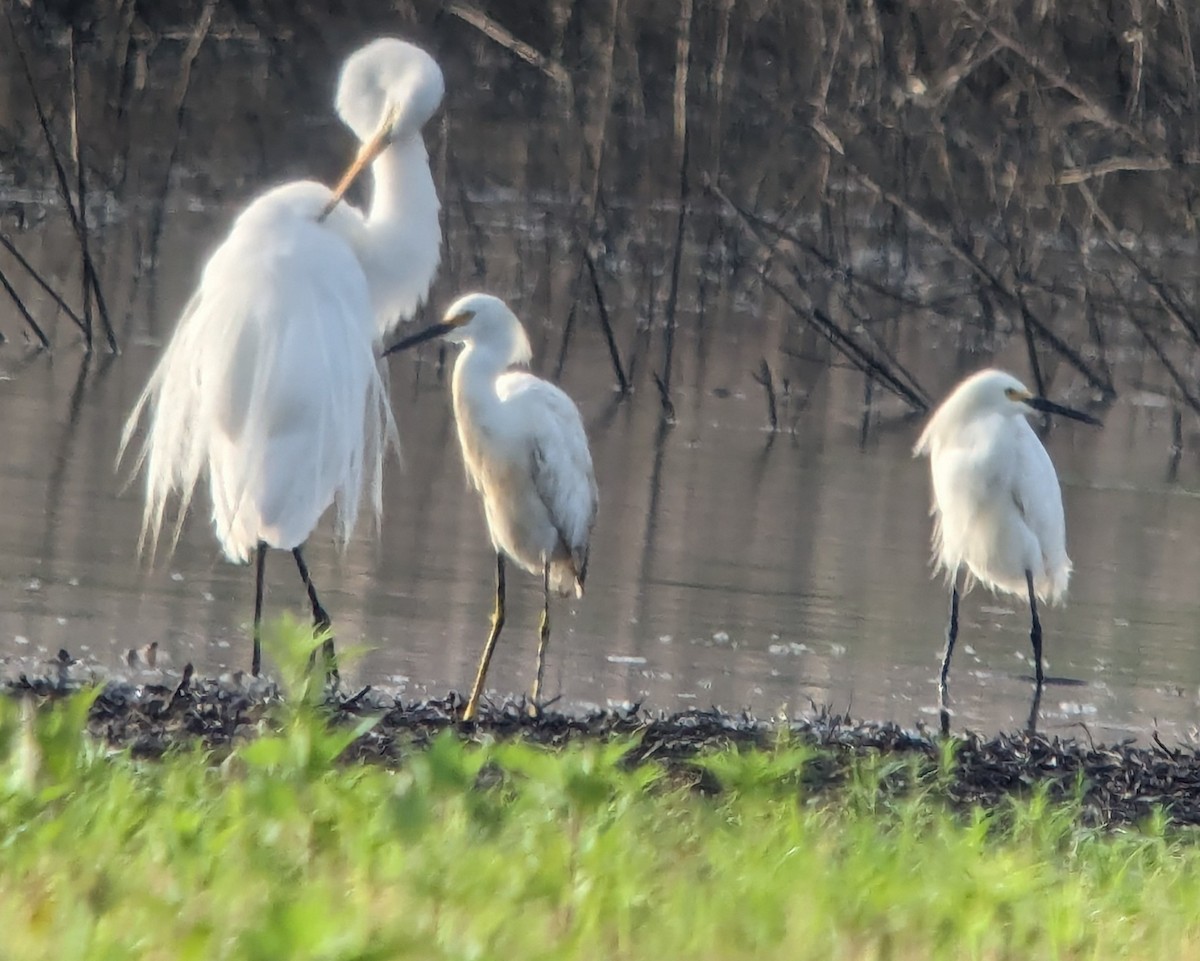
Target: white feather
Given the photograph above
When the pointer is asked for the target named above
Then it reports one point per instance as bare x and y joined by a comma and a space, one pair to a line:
997, 504
269, 384
524, 447
399, 244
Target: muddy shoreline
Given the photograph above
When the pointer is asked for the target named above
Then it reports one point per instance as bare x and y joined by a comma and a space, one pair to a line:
1122, 784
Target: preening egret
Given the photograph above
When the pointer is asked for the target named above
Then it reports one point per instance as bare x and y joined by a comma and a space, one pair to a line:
997, 505
526, 452
270, 383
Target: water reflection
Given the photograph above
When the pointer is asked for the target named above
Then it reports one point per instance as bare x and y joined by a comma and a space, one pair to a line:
725, 571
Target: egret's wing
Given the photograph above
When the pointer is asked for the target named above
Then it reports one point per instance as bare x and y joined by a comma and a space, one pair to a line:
1036, 492
270, 382
561, 462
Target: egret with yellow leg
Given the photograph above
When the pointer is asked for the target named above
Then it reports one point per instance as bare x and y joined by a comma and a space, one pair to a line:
526, 452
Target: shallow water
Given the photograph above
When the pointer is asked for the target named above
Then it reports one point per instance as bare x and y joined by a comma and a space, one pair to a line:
727, 569
730, 567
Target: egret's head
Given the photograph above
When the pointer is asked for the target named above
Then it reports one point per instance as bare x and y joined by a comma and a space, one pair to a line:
993, 392
486, 321
479, 320
388, 91
986, 393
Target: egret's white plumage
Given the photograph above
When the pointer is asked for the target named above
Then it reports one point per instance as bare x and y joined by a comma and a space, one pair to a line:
270, 386
526, 452
392, 88
997, 504
523, 445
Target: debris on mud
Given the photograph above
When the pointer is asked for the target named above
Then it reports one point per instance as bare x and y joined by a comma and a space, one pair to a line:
1119, 784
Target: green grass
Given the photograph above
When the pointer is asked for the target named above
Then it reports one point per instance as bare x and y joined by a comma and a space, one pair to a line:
506, 851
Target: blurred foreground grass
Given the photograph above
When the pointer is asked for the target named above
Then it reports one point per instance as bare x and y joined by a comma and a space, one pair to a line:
277, 851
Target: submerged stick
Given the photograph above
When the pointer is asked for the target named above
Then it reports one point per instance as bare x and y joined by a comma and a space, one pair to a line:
763, 376
59, 171
683, 53
844, 342
183, 87
606, 325
16, 299
39, 279
959, 252
80, 189
664, 399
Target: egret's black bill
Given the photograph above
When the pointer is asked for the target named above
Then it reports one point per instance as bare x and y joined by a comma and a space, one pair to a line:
437, 330
1049, 407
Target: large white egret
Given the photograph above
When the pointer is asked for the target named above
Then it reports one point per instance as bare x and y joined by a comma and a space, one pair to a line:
997, 505
526, 452
270, 384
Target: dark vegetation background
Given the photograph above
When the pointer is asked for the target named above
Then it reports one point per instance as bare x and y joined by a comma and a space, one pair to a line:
876, 173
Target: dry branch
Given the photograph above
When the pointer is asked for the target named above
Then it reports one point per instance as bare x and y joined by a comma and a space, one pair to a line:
505, 38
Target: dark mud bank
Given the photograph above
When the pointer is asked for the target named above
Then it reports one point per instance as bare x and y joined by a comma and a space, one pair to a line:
1121, 784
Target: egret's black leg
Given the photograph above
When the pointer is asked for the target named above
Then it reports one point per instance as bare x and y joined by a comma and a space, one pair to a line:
1035, 630
543, 640
260, 567
1035, 707
321, 621
497, 625
951, 637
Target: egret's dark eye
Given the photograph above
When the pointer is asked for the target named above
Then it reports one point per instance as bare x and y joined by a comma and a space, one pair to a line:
1012, 393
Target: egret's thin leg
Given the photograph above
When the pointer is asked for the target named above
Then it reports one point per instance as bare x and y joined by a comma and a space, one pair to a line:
260, 567
1035, 707
1035, 630
497, 625
543, 640
321, 621
951, 637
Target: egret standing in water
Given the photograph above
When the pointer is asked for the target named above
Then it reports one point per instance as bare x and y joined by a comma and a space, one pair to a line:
997, 505
270, 383
526, 452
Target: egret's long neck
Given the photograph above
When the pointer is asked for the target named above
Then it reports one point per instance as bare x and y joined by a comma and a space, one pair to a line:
474, 384
402, 239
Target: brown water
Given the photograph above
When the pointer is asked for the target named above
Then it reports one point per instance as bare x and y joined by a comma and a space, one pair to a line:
729, 568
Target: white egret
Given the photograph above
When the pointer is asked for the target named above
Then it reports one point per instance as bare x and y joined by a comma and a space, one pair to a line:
270, 383
997, 505
526, 452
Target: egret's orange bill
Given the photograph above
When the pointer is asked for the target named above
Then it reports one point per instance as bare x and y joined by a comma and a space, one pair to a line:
366, 154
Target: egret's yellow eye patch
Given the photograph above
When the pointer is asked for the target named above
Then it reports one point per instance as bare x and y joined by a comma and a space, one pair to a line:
1016, 395
459, 319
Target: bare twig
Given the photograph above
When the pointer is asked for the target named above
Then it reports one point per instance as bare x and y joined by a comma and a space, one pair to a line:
183, 86
16, 299
957, 250
664, 398
80, 187
1092, 107
606, 325
683, 54
763, 376
1161, 292
59, 169
39, 279
505, 38
860, 356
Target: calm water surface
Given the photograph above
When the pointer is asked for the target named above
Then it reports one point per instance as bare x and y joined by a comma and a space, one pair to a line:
727, 570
